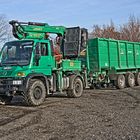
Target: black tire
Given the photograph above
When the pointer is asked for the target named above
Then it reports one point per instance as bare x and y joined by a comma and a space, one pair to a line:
77, 89
6, 99
36, 93
120, 83
130, 79
137, 78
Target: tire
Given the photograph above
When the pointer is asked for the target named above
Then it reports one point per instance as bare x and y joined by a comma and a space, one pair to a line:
6, 99
130, 79
77, 88
120, 83
36, 93
137, 78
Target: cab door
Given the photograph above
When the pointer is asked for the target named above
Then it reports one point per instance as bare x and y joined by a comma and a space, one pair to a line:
45, 62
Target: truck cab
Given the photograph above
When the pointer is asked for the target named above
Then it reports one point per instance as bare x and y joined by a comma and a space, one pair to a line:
27, 55
21, 60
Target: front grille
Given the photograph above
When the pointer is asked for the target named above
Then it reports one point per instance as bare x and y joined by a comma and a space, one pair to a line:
5, 73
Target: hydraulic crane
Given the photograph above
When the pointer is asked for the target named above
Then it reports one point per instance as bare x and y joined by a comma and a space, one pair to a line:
33, 30
72, 41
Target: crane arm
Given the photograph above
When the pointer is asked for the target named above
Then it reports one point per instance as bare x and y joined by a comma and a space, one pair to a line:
33, 30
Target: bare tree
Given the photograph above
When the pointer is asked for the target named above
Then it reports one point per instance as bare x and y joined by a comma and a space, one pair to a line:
96, 32
129, 31
5, 33
106, 31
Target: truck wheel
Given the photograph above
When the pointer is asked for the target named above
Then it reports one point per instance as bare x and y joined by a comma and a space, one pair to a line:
36, 93
120, 83
6, 99
77, 89
130, 79
137, 79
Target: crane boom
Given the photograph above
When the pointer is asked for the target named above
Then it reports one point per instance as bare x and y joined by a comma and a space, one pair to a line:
33, 30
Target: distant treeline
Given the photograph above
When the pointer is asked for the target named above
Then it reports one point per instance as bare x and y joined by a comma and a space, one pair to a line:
129, 31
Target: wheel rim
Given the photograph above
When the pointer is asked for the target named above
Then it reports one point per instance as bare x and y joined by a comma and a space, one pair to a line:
131, 78
37, 93
77, 88
121, 81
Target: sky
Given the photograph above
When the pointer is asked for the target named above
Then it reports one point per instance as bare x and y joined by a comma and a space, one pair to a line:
84, 13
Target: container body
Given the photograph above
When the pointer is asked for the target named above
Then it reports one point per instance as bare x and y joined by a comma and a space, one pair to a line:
107, 54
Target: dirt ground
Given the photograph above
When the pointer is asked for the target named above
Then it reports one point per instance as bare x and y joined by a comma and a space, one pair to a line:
97, 115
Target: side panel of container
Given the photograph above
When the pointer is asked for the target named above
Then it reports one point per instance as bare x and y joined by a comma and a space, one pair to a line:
130, 55
137, 55
118, 54
103, 53
107, 53
114, 54
122, 55
93, 55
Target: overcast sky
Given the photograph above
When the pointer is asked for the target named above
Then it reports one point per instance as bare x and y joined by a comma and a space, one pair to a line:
83, 13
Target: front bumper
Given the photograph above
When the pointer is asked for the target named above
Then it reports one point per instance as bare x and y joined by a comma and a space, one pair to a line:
11, 86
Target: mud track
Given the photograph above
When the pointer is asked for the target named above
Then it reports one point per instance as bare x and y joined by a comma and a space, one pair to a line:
98, 114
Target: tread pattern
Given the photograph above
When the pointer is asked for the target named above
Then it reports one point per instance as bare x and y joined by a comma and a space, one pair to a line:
71, 92
28, 96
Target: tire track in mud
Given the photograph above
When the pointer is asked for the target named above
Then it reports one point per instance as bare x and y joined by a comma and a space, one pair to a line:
18, 123
14, 118
29, 117
33, 117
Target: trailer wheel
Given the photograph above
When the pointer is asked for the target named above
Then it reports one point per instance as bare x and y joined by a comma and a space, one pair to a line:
120, 83
36, 93
130, 79
77, 88
137, 79
4, 99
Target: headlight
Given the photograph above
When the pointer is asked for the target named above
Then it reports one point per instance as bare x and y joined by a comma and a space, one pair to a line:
21, 74
17, 82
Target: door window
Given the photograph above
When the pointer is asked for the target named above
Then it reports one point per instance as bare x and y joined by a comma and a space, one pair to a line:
44, 49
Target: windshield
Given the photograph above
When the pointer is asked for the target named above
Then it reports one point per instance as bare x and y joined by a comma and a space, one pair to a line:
17, 53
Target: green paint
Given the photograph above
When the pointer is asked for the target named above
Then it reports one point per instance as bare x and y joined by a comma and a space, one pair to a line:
109, 53
71, 65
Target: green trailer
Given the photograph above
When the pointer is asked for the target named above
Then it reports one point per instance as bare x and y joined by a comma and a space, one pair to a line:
114, 61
